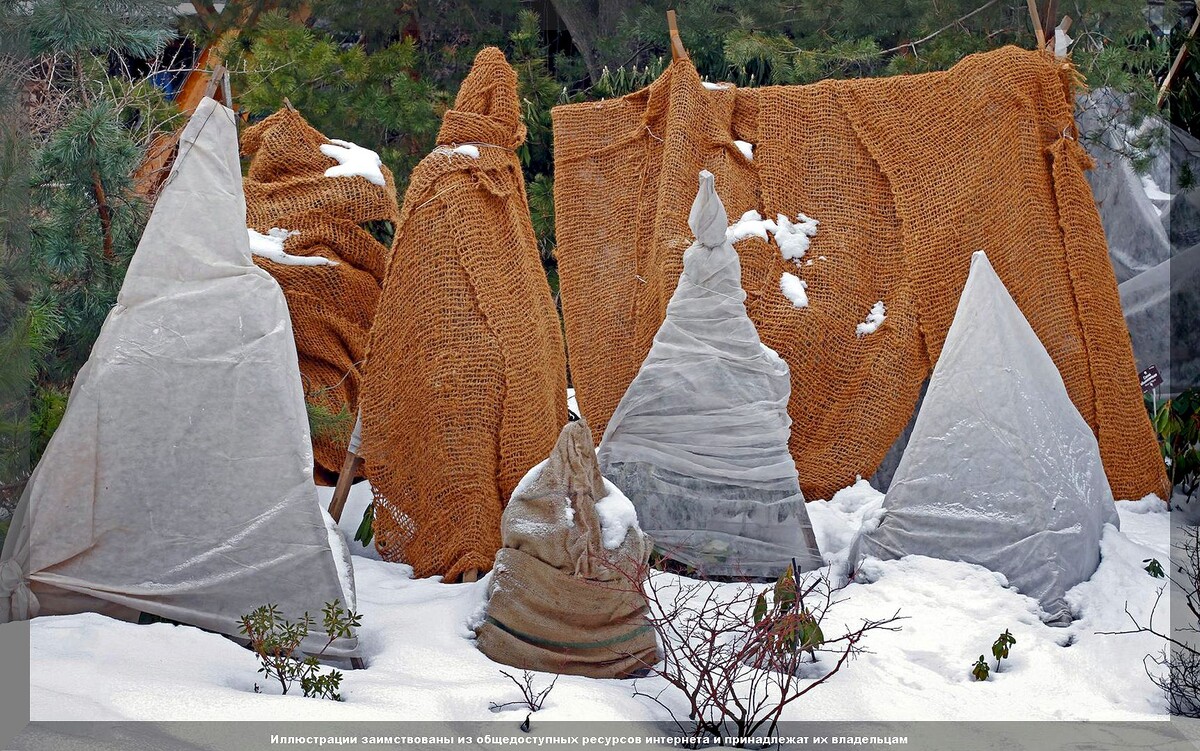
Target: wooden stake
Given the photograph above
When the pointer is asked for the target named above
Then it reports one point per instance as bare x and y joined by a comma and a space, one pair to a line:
345, 479
1175, 66
214, 81
1037, 23
1049, 21
228, 91
677, 49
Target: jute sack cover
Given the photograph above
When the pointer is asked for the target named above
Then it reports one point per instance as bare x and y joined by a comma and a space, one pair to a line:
560, 599
908, 176
466, 376
332, 306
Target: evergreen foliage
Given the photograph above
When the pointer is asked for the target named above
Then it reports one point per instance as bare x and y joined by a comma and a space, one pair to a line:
84, 219
373, 98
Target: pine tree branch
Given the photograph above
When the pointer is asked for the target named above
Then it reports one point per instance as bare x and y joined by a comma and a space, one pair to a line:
952, 24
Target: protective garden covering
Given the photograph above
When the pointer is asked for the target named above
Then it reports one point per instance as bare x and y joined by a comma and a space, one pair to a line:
699, 441
180, 480
1001, 469
906, 175
566, 591
1152, 223
466, 377
322, 219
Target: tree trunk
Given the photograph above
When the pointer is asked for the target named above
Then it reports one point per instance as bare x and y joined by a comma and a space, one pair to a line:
105, 215
590, 21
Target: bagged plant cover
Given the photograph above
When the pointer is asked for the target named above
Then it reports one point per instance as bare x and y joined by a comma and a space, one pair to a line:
1001, 470
566, 590
180, 480
326, 220
699, 442
466, 376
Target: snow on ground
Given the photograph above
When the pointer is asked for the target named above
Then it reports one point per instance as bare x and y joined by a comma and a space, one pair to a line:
422, 663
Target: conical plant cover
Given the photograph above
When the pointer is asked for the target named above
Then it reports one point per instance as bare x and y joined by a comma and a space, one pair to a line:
699, 442
1001, 470
179, 483
465, 386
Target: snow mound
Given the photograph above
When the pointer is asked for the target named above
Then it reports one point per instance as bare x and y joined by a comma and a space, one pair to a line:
617, 516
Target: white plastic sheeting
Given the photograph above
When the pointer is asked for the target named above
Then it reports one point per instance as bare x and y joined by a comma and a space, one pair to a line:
1001, 469
1151, 220
699, 442
180, 480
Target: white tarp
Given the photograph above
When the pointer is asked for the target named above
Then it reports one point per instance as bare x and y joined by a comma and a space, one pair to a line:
1001, 469
699, 441
179, 483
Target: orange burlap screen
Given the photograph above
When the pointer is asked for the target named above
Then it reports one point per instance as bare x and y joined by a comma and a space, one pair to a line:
907, 176
332, 306
466, 375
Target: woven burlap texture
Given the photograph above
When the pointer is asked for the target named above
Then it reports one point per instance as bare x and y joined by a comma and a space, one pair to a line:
466, 374
559, 600
332, 306
908, 176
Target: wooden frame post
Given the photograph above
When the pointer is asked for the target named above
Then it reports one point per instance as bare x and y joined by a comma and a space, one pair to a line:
678, 52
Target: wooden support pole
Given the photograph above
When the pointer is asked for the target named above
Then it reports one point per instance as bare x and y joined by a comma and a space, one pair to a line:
1049, 22
678, 52
1178, 63
214, 81
1036, 17
341, 491
228, 90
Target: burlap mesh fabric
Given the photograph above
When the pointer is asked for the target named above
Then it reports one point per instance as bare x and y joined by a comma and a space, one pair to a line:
908, 176
566, 593
332, 307
466, 381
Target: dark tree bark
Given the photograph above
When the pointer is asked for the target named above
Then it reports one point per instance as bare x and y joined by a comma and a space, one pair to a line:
590, 21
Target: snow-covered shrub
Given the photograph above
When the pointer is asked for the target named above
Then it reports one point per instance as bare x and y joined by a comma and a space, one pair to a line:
737, 659
531, 698
275, 640
786, 626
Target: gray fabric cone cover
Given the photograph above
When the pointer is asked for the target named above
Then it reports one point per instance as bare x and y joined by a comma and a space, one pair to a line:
1151, 222
180, 480
699, 441
1001, 469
